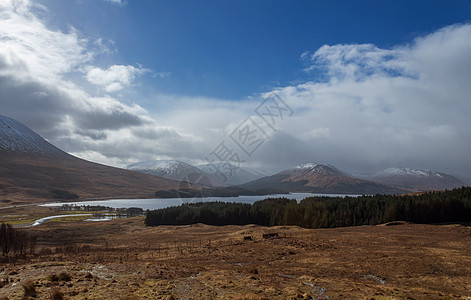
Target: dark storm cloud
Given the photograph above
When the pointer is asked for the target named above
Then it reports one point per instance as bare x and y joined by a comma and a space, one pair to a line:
106, 120
33, 104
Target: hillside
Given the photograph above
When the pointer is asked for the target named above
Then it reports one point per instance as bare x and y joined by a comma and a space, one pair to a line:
32, 170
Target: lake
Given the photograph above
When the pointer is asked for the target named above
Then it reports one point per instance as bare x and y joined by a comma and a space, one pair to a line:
163, 203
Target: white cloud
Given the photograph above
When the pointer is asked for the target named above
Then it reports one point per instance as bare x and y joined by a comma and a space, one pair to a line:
106, 47
31, 50
408, 105
374, 108
115, 78
38, 71
162, 74
120, 2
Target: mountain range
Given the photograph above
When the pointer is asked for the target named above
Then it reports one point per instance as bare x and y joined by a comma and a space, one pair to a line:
172, 169
320, 178
212, 175
310, 177
32, 170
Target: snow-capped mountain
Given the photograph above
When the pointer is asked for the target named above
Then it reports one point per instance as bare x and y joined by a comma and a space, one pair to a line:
319, 178
227, 174
313, 168
414, 180
172, 169
16, 137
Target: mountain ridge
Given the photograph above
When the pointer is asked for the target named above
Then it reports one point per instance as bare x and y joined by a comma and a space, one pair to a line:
172, 169
16, 137
32, 167
319, 178
213, 175
414, 180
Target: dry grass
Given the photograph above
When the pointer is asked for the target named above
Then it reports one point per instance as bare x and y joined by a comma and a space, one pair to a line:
123, 259
29, 289
56, 294
64, 276
52, 278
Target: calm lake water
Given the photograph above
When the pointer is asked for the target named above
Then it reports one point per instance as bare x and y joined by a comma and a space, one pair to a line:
163, 203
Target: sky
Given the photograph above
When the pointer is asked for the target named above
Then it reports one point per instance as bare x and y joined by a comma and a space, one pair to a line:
361, 85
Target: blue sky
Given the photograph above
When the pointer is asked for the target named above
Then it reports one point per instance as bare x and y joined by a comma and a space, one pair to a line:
233, 49
372, 84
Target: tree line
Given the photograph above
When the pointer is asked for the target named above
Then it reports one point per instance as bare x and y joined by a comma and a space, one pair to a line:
16, 241
324, 212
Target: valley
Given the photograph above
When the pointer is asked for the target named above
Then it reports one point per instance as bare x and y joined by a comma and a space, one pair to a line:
34, 171
68, 258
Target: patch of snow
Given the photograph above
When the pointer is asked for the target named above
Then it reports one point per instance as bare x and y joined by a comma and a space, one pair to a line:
407, 172
16, 137
315, 168
167, 167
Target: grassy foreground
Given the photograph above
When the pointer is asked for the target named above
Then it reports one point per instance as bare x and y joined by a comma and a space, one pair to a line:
123, 259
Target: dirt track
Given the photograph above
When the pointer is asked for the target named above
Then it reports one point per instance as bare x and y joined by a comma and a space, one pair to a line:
130, 261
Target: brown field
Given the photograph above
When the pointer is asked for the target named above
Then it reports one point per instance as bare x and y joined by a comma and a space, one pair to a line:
123, 259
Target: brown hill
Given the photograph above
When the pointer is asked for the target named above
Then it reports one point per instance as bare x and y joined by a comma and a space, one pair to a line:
32, 179
32, 171
319, 178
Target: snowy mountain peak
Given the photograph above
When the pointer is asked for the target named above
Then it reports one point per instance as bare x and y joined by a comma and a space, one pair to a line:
407, 172
167, 167
315, 168
16, 137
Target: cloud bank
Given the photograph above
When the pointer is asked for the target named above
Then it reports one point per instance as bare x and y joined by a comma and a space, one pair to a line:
364, 108
405, 106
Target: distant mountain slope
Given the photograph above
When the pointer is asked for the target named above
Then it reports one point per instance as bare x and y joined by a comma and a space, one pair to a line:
32, 170
224, 174
415, 180
172, 169
219, 174
319, 178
